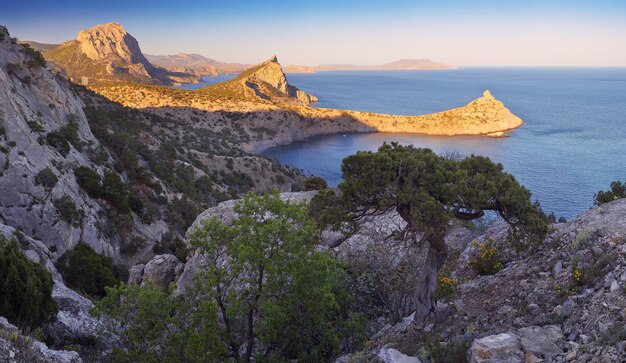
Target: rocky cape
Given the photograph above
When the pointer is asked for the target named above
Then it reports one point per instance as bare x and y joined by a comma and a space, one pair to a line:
108, 53
265, 101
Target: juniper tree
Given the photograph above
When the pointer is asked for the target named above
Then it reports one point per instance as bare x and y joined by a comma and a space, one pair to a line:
427, 191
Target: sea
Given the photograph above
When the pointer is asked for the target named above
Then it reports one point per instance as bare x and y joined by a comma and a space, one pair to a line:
572, 144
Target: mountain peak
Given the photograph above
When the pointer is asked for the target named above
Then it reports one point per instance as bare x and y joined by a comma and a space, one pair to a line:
274, 59
110, 41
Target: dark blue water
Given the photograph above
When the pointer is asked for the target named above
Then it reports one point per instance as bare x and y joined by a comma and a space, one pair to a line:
572, 144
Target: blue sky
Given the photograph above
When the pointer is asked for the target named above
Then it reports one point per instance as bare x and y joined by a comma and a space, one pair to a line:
471, 33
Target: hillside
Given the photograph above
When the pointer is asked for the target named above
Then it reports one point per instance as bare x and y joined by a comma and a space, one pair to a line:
107, 53
196, 64
399, 65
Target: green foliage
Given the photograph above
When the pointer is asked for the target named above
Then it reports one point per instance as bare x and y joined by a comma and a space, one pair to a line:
382, 283
13, 68
617, 190
115, 192
64, 137
67, 208
151, 327
181, 213
25, 288
87, 271
36, 58
47, 178
89, 180
36, 126
275, 275
488, 260
315, 183
266, 295
454, 351
173, 245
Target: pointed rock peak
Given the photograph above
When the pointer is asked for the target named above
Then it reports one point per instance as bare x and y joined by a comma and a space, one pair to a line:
274, 59
487, 94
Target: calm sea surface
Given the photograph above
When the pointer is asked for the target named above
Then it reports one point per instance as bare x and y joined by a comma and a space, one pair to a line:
572, 144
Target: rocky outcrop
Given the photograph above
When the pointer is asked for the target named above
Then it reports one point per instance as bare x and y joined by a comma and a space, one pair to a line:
271, 73
161, 270
390, 355
106, 53
530, 344
17, 348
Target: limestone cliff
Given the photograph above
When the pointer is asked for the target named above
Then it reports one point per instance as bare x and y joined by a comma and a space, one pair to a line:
106, 53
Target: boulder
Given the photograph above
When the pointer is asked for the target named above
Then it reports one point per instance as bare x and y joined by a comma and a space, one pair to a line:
390, 355
543, 342
161, 270
503, 347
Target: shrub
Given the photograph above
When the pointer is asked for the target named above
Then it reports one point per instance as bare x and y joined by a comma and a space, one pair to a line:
25, 288
66, 207
115, 192
488, 260
315, 183
89, 180
36, 58
65, 136
36, 126
47, 178
85, 270
617, 190
12, 68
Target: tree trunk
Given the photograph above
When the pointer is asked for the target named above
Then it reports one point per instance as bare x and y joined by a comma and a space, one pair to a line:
425, 295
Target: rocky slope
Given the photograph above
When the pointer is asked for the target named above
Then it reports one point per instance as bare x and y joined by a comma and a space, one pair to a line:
106, 53
399, 65
45, 136
535, 309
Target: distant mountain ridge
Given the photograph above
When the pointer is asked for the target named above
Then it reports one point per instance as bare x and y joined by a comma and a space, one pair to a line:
398, 65
108, 53
196, 64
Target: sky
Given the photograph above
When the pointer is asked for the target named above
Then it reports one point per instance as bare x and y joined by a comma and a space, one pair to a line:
458, 32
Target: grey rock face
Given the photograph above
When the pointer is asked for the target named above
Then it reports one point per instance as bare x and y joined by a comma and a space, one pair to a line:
162, 270
17, 348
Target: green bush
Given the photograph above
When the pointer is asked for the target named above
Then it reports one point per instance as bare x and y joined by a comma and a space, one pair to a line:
617, 190
89, 180
12, 68
64, 137
67, 208
315, 183
47, 178
86, 271
36, 58
25, 288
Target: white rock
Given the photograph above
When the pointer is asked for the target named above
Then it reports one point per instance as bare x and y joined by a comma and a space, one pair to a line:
503, 347
390, 355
